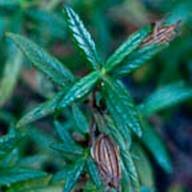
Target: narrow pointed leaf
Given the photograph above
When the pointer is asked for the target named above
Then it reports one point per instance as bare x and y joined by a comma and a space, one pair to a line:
157, 148
14, 175
42, 60
121, 106
80, 119
166, 97
74, 175
82, 38
42, 110
80, 89
131, 170
126, 48
62, 131
94, 173
137, 59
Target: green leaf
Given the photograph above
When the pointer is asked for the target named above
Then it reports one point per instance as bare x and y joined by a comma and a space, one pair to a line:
157, 148
94, 172
131, 170
137, 59
42, 60
126, 48
165, 97
42, 110
80, 119
65, 148
74, 175
10, 76
63, 132
80, 89
121, 106
10, 176
143, 165
82, 38
60, 175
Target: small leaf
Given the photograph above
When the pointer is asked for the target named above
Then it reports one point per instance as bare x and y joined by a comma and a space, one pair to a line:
80, 89
127, 47
94, 173
74, 175
80, 119
10, 176
166, 97
42, 60
156, 146
63, 132
82, 38
60, 175
10, 76
131, 170
121, 106
137, 59
42, 110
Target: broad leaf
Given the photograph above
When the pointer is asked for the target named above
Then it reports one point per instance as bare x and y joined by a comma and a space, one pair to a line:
94, 173
10, 76
137, 59
80, 89
42, 60
10, 176
156, 146
80, 119
127, 47
165, 97
74, 175
121, 106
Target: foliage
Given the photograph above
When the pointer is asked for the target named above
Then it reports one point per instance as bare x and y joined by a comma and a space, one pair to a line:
75, 97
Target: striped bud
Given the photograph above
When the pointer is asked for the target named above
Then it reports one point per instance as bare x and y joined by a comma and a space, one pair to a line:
106, 154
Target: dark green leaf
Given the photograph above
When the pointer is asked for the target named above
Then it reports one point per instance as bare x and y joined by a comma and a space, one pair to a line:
121, 106
137, 59
10, 176
42, 110
42, 60
156, 146
68, 149
63, 132
94, 172
82, 38
61, 175
80, 119
166, 97
80, 89
131, 170
74, 175
126, 48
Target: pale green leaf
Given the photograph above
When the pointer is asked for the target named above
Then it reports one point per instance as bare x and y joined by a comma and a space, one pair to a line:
82, 38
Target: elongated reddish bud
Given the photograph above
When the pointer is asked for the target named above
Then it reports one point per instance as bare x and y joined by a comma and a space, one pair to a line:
106, 154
